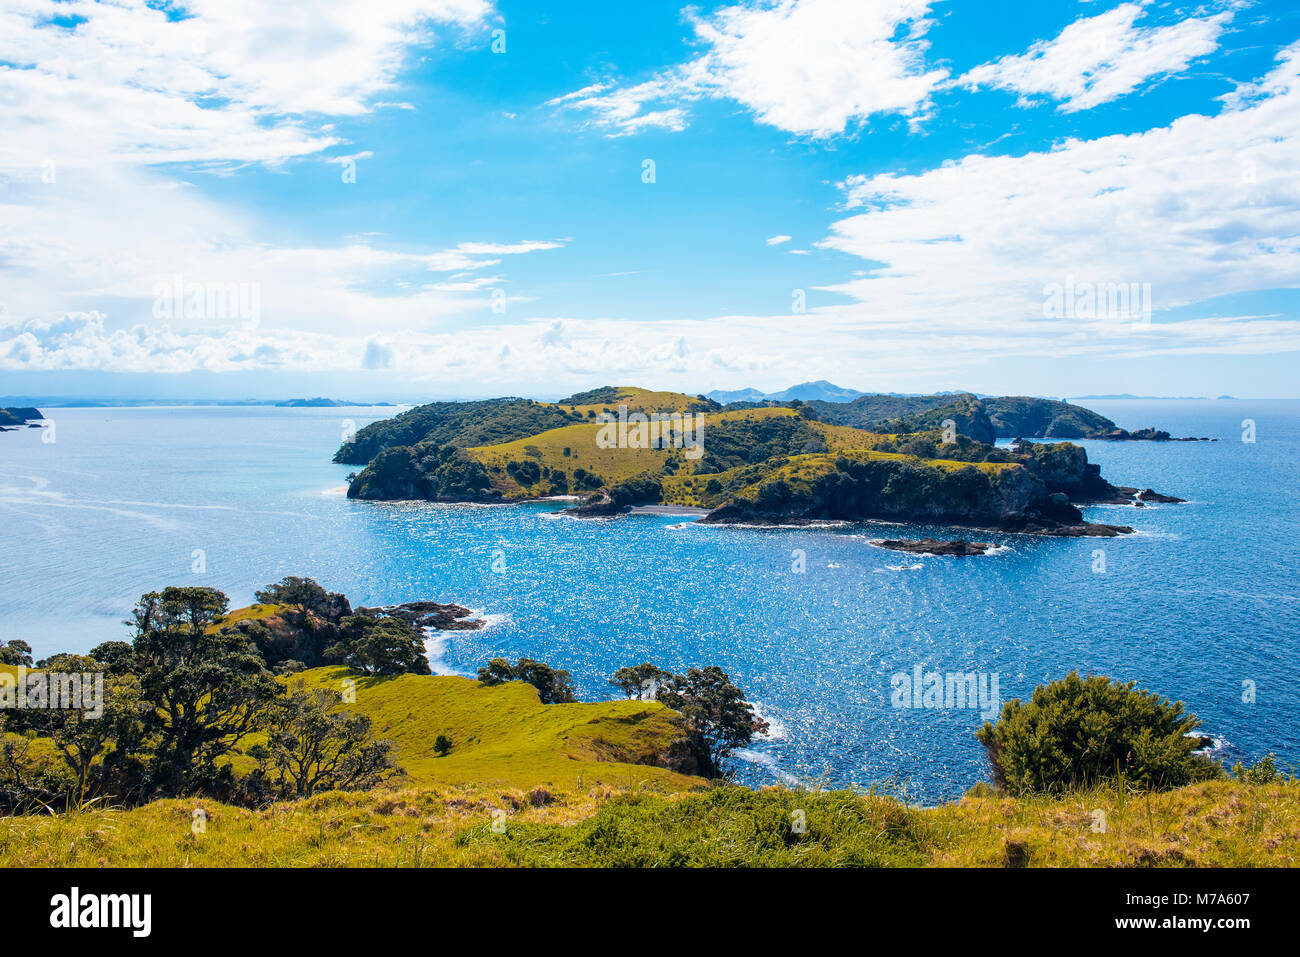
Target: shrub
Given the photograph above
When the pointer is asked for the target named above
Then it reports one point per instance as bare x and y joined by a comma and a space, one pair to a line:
1263, 771
1077, 732
442, 744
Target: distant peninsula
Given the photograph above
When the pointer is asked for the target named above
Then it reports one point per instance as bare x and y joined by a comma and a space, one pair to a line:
18, 417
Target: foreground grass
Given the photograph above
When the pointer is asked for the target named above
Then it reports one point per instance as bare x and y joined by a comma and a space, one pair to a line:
1222, 823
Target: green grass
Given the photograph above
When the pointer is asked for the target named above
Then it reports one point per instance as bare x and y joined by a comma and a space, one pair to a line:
504, 736
617, 465
1221, 823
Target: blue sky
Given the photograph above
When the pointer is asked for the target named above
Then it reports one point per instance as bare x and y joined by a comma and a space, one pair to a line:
450, 197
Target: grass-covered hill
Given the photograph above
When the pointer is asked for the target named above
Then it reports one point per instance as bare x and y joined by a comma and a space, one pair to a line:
1017, 415
501, 735
1212, 824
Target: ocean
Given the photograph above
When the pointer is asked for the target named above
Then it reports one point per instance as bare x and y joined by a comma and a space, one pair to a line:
817, 625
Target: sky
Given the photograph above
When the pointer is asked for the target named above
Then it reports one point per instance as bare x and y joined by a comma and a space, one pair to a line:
437, 198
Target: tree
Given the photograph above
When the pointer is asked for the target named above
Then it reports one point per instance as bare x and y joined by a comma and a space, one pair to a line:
16, 652
718, 718
205, 686
1078, 732
312, 747
117, 657
304, 595
379, 645
554, 685
442, 744
641, 681
83, 738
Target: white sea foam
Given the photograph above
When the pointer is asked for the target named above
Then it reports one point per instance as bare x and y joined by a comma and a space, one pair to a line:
776, 730
437, 641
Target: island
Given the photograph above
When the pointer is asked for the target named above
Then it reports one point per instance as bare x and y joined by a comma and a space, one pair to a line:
616, 449
18, 417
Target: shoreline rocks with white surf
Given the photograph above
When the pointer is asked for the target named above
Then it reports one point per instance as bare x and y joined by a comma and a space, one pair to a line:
432, 614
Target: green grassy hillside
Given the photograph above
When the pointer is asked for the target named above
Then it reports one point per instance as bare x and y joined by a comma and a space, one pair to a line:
503, 736
1222, 823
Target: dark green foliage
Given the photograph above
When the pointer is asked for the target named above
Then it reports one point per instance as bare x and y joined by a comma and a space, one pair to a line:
302, 594
207, 687
117, 657
967, 415
312, 747
643, 489
378, 645
16, 652
442, 744
718, 718
458, 424
584, 481
1078, 732
641, 681
884, 488
1016, 416
737, 442
600, 396
875, 412
423, 472
554, 686
525, 473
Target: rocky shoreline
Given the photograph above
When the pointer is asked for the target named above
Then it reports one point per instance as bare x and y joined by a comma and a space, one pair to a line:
431, 614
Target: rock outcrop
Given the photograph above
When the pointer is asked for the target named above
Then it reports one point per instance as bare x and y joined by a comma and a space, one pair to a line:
933, 546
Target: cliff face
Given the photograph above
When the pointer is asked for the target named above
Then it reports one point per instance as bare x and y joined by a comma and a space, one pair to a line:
1064, 467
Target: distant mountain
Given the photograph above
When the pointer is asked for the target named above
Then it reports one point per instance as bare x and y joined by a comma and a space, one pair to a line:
821, 391
725, 396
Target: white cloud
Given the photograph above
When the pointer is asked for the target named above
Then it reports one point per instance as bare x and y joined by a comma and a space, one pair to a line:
1206, 207
955, 264
235, 81
94, 95
811, 67
778, 240
1098, 59
104, 239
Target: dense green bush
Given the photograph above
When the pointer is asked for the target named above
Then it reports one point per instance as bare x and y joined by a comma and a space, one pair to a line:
459, 424
1078, 732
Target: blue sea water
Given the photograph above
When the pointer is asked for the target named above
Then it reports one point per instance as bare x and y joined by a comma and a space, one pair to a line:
1202, 599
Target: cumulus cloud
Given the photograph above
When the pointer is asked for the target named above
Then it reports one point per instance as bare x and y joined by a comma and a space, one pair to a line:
234, 81
1205, 207
810, 67
1098, 59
